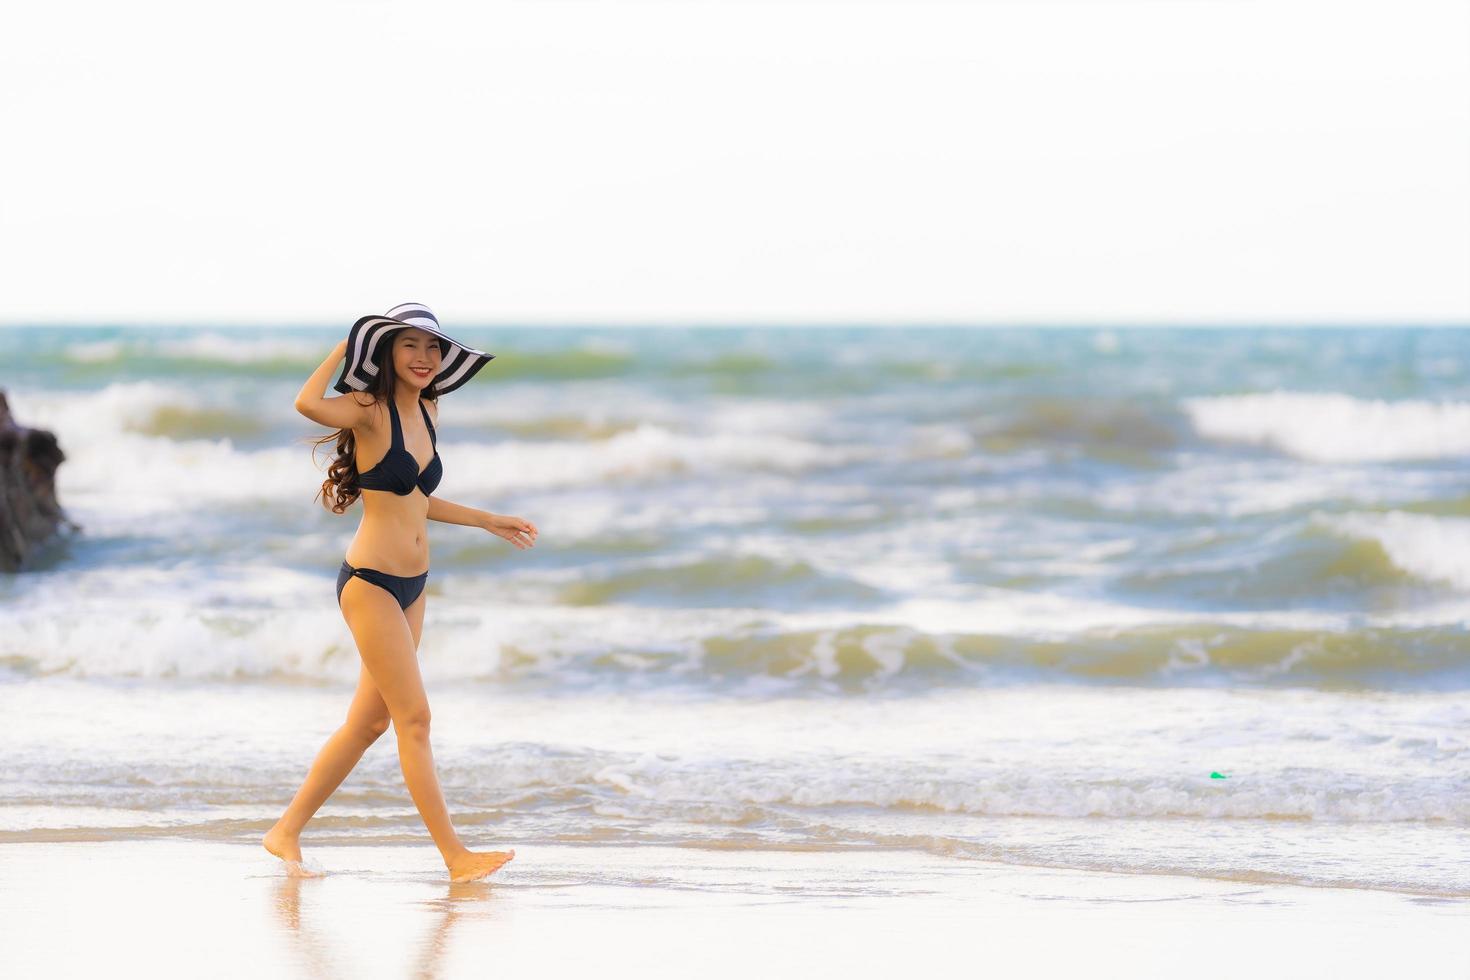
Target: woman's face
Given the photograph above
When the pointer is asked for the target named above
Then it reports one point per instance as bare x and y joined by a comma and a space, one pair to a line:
416, 356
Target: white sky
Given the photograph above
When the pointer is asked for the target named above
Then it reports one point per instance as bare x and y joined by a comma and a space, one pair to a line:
619, 161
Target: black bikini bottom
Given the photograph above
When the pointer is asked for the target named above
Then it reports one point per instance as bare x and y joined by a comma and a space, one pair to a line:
404, 588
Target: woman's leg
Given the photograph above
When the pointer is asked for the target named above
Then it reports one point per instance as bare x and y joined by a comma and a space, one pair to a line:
367, 719
388, 646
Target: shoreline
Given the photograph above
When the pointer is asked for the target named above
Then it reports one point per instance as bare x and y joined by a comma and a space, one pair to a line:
327, 843
189, 907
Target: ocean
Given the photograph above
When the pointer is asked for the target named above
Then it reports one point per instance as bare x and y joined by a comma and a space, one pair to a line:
1178, 601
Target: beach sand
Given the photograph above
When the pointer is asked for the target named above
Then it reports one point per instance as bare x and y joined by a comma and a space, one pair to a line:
185, 908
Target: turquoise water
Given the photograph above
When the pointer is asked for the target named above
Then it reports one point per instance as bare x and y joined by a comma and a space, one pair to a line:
1175, 507
873, 542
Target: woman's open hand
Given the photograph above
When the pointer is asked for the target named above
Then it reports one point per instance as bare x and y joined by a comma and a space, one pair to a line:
517, 530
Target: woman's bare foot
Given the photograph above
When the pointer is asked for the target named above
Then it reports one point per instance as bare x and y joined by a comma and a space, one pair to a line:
288, 849
472, 865
285, 846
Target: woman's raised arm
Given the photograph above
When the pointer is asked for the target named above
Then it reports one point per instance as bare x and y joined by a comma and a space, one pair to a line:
340, 412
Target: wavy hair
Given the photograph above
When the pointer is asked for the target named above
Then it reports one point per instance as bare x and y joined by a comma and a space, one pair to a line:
340, 489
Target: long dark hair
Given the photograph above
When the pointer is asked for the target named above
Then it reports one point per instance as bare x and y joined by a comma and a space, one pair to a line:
340, 490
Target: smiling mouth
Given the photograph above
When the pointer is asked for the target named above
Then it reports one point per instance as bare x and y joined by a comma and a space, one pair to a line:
420, 373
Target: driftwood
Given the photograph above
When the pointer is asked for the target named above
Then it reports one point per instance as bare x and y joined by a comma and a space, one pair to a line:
29, 512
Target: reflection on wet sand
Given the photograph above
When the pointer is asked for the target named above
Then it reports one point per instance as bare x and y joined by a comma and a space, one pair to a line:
317, 951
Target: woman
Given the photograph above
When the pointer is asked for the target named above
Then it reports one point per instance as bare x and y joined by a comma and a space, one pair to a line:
386, 420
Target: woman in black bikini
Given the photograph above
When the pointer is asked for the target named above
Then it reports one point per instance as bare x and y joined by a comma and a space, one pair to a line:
397, 367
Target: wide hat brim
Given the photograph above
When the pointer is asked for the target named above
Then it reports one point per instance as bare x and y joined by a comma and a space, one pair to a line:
457, 364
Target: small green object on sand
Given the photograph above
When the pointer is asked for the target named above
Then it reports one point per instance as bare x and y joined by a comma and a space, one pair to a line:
1216, 775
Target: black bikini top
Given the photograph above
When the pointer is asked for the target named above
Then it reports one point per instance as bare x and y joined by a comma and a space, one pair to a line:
398, 470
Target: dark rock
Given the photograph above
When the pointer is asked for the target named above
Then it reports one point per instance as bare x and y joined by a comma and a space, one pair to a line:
29, 512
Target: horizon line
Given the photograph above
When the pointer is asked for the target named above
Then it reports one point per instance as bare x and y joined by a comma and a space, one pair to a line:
825, 324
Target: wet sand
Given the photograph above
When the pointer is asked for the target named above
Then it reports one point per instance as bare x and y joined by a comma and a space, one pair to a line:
180, 908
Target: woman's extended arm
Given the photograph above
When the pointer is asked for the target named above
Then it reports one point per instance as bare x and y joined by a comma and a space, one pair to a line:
448, 512
517, 530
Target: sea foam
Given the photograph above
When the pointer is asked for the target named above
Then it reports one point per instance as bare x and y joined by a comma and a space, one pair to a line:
1329, 427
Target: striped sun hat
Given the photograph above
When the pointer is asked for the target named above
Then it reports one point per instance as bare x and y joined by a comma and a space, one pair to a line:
457, 364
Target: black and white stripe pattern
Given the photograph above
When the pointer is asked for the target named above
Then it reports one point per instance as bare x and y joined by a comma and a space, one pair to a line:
457, 365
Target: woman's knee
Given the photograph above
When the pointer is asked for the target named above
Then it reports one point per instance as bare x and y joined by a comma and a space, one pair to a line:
413, 723
370, 729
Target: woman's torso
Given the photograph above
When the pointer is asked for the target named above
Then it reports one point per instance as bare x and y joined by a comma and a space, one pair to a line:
393, 535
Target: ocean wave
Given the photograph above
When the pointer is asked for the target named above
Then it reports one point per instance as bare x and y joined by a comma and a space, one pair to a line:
1122, 429
1426, 546
1239, 488
742, 579
247, 354
234, 631
243, 349
266, 352
1332, 428
993, 791
666, 788
1363, 561
588, 361
642, 453
146, 447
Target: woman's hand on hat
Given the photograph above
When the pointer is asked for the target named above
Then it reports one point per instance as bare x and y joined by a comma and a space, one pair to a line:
340, 351
517, 530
